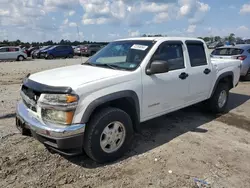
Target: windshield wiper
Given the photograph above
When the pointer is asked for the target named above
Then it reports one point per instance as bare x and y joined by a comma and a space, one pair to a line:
108, 65
88, 63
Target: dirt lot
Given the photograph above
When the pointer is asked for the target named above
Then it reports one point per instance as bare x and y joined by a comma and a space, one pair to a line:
170, 152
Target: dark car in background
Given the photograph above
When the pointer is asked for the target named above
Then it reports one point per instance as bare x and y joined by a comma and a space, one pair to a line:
57, 51
87, 49
215, 45
36, 53
31, 49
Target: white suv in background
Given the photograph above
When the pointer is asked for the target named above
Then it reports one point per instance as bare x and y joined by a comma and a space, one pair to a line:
12, 53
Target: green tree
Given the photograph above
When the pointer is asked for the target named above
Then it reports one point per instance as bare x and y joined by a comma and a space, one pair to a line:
231, 37
217, 38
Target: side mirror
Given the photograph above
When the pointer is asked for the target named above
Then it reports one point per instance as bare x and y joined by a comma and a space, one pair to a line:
157, 67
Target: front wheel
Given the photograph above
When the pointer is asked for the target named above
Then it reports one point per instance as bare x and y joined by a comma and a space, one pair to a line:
50, 57
70, 56
108, 135
219, 100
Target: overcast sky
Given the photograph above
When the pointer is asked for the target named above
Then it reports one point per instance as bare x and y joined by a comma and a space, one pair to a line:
106, 20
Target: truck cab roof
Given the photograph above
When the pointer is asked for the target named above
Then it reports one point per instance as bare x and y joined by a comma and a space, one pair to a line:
162, 38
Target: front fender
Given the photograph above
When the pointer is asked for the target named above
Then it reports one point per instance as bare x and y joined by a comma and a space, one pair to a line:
110, 97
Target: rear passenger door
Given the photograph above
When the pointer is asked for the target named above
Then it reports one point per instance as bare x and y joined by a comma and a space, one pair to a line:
200, 71
12, 53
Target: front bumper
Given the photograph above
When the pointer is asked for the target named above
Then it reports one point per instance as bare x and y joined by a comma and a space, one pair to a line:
67, 140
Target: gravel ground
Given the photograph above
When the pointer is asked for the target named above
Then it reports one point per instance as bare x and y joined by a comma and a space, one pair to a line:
170, 152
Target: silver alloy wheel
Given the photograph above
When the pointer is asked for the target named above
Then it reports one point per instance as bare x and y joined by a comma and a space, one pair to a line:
112, 137
21, 58
222, 98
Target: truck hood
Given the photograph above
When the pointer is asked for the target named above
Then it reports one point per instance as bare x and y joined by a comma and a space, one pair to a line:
73, 76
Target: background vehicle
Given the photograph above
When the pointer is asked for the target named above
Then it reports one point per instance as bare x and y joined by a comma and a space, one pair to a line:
88, 49
240, 51
215, 45
247, 41
98, 105
31, 49
12, 53
36, 53
57, 51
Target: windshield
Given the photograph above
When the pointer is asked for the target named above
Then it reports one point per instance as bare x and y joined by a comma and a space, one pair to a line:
45, 47
227, 51
122, 54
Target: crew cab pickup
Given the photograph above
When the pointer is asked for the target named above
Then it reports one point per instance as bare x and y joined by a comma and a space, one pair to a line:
97, 106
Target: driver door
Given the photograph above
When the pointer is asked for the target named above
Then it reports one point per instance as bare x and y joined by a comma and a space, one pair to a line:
166, 92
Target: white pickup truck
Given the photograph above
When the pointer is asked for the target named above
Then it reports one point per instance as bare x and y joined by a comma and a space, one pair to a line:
97, 106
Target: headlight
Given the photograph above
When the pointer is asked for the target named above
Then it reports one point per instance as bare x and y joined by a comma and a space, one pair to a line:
58, 108
58, 117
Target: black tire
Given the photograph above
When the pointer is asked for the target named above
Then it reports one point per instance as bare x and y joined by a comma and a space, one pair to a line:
70, 56
92, 53
20, 58
247, 76
50, 57
213, 102
95, 128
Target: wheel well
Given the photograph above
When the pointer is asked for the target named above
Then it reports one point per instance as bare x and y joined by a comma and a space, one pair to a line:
126, 104
227, 80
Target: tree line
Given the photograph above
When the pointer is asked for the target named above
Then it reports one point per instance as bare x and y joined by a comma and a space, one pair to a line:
230, 38
46, 43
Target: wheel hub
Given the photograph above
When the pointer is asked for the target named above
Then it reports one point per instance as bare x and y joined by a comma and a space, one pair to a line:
222, 98
112, 137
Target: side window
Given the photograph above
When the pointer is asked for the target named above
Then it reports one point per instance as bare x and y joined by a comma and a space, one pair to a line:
13, 49
248, 51
58, 48
171, 53
197, 54
4, 50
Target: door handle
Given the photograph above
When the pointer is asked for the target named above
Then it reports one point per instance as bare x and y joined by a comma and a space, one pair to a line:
207, 71
183, 75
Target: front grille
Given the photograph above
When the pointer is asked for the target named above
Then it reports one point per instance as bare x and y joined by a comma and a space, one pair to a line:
30, 97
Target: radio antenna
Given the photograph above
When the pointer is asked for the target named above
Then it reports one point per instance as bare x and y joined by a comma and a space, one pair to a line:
80, 42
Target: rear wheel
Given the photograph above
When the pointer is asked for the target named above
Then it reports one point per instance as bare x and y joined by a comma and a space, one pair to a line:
219, 100
247, 76
108, 135
20, 58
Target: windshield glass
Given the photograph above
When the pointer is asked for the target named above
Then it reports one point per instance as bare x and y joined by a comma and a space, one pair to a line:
45, 47
227, 51
122, 54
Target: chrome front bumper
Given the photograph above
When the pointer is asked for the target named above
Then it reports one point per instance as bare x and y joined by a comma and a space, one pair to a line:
32, 123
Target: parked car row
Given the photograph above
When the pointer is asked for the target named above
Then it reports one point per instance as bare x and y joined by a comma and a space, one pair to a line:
87, 49
55, 51
12, 53
65, 51
217, 44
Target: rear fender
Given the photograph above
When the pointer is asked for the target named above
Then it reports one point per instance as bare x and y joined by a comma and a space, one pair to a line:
220, 78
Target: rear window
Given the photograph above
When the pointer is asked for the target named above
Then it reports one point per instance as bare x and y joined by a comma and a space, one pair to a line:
227, 51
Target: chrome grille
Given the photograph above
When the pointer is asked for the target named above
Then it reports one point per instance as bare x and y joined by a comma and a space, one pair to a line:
30, 97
